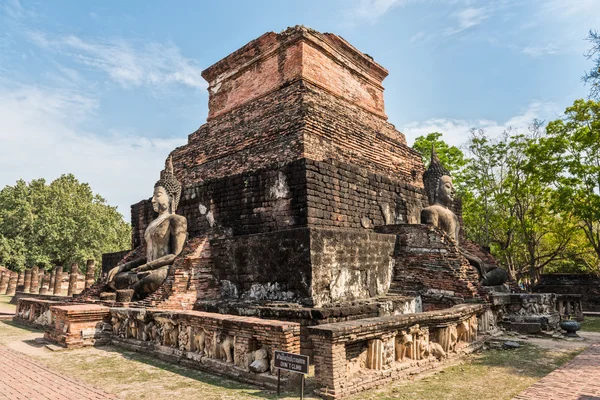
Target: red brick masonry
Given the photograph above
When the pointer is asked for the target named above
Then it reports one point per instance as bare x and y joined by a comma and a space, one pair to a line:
579, 379
23, 378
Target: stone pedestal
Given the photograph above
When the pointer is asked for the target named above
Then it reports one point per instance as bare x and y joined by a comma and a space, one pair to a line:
4, 277
12, 284
73, 279
90, 273
27, 283
35, 280
58, 281
77, 325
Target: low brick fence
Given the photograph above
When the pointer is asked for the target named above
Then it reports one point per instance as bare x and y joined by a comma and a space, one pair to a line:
238, 347
358, 355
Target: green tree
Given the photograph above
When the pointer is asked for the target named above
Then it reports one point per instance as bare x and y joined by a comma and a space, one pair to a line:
451, 156
509, 205
593, 75
569, 155
57, 224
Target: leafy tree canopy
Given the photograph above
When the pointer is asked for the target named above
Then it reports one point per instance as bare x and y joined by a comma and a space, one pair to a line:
592, 77
57, 224
450, 156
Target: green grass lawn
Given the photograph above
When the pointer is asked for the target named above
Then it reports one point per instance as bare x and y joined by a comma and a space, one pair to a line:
490, 375
591, 324
5, 306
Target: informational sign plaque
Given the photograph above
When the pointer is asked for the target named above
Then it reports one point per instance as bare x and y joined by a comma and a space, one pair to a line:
291, 362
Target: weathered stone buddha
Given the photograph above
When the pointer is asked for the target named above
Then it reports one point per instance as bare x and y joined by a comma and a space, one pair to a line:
165, 237
440, 192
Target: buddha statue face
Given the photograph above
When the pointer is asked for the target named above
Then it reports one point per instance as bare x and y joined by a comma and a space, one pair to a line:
445, 191
161, 200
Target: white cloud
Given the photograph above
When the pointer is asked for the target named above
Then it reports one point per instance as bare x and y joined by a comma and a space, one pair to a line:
127, 62
568, 23
44, 135
467, 18
538, 51
371, 10
456, 131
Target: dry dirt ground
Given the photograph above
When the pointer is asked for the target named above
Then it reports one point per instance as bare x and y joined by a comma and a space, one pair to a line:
492, 374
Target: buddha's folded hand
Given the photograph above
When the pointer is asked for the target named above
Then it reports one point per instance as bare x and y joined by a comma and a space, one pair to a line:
112, 273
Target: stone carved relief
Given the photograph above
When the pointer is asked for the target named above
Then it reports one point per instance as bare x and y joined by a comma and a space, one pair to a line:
225, 345
260, 361
185, 332
420, 345
436, 350
404, 341
199, 341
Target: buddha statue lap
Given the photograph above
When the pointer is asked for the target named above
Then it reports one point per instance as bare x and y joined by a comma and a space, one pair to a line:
440, 191
164, 237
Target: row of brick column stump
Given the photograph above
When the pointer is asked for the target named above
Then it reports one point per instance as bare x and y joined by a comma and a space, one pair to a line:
58, 273
90, 273
11, 289
21, 281
27, 283
73, 279
37, 281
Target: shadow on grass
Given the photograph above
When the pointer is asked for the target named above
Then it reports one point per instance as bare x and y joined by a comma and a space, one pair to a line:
528, 360
198, 375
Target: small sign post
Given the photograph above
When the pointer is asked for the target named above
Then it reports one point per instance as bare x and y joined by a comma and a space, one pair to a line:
291, 362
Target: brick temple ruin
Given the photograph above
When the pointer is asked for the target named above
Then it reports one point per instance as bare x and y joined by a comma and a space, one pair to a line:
303, 210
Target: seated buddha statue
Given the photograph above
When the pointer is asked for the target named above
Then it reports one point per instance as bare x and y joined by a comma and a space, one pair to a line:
440, 192
164, 237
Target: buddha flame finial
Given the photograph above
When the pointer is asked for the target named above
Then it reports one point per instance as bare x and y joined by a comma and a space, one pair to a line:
170, 183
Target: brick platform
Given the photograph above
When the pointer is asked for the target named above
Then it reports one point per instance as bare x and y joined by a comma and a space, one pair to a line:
579, 379
23, 378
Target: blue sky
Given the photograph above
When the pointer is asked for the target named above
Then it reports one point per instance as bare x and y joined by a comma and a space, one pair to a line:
105, 89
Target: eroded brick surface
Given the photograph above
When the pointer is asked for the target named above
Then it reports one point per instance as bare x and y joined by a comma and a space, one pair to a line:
24, 378
579, 379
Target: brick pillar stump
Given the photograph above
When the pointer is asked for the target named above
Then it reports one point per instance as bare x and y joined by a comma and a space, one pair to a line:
27, 283
12, 283
45, 285
52, 280
58, 272
4, 276
35, 280
73, 279
20, 281
90, 273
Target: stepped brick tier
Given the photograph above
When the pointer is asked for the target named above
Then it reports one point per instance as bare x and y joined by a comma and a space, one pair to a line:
77, 325
358, 355
587, 285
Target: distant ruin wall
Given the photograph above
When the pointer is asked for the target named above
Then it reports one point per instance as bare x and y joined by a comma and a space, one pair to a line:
587, 285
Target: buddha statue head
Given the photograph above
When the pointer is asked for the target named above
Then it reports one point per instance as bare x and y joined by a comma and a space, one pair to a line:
167, 191
438, 182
